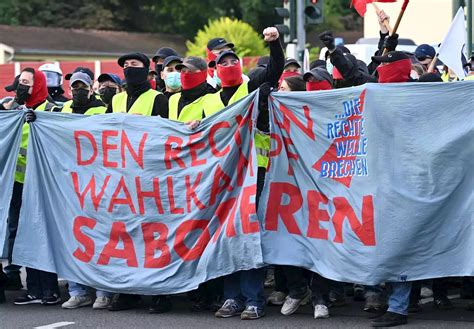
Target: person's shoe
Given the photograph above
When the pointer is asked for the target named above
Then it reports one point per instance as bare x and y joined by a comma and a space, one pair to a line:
426, 292
373, 303
414, 307
101, 303
13, 282
336, 300
229, 309
390, 319
269, 281
321, 312
51, 299
443, 303
216, 305
122, 302
27, 299
160, 304
359, 293
292, 304
276, 298
252, 313
76, 302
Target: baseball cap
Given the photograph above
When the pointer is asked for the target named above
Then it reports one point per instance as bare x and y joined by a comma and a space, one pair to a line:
82, 77
319, 74
193, 63
222, 55
218, 43
291, 61
317, 63
110, 77
163, 53
263, 61
424, 51
390, 57
170, 59
80, 69
138, 56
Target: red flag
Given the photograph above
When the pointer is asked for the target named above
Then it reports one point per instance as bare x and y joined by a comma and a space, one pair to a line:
361, 5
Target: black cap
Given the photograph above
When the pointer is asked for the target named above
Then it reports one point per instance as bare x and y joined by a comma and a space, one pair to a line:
319, 74
219, 43
193, 63
14, 84
171, 59
390, 57
110, 77
317, 63
263, 61
222, 55
80, 69
164, 52
138, 56
430, 77
292, 61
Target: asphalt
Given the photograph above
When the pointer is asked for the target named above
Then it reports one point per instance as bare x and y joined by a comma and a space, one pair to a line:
350, 316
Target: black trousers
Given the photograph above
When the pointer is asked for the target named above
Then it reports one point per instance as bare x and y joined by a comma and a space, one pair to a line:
13, 218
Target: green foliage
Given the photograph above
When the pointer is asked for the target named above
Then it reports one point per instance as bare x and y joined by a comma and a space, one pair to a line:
247, 41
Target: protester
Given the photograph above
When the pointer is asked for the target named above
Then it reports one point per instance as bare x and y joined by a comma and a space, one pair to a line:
291, 68
158, 59
138, 98
54, 81
189, 104
171, 76
110, 84
67, 105
425, 54
214, 48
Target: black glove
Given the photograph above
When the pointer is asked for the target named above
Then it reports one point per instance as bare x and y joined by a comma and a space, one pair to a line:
328, 40
30, 116
391, 42
264, 90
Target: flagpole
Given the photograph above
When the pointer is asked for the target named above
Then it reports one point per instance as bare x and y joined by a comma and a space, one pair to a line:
385, 21
397, 24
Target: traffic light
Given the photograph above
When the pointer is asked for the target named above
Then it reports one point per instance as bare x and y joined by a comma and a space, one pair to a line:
287, 13
313, 11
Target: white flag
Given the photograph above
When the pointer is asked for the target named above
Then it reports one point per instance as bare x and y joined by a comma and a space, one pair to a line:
451, 50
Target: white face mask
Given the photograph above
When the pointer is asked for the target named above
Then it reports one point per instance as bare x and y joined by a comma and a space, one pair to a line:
329, 66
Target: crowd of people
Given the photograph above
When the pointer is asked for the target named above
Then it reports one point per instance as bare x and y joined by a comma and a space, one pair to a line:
188, 90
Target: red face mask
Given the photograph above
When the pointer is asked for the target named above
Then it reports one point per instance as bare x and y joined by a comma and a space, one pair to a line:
190, 80
40, 90
336, 74
398, 71
318, 85
286, 75
152, 84
230, 75
210, 57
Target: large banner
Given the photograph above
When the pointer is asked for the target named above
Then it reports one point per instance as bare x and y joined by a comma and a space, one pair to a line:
138, 204
373, 183
11, 123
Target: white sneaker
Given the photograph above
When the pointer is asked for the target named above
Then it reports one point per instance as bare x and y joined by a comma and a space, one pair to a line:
101, 302
76, 302
321, 312
276, 298
291, 304
426, 292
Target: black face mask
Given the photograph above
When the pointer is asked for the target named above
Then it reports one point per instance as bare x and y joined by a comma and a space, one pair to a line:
135, 75
22, 94
158, 69
107, 93
80, 97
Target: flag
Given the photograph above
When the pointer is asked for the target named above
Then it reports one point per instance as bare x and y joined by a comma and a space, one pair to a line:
451, 50
361, 5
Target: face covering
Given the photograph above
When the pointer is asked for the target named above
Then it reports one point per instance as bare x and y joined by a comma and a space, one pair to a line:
135, 75
318, 85
190, 80
80, 97
217, 80
398, 71
210, 56
22, 94
107, 93
173, 80
286, 75
158, 68
230, 76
